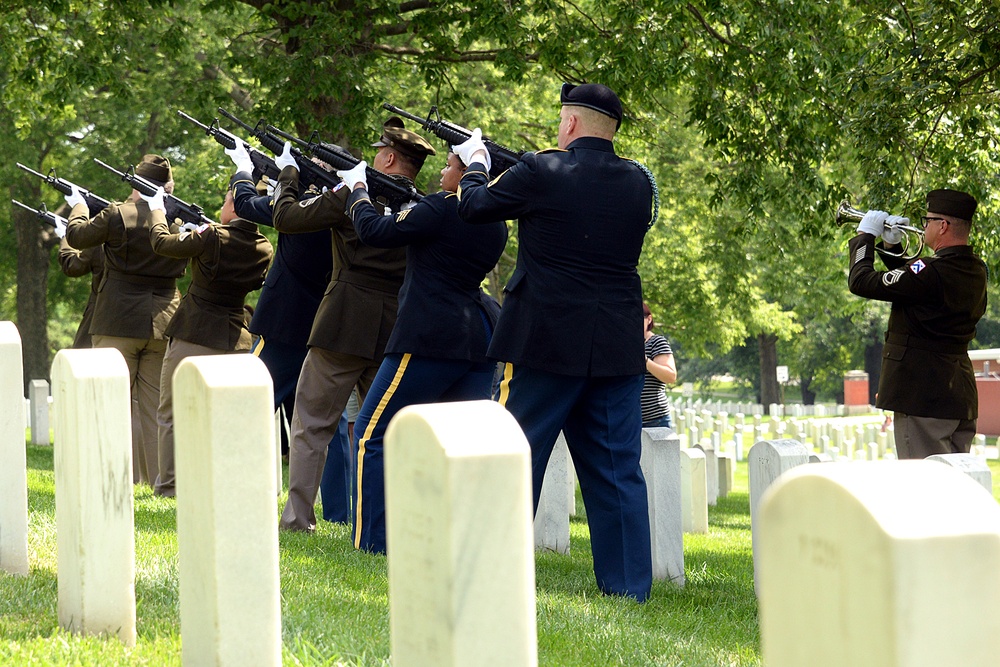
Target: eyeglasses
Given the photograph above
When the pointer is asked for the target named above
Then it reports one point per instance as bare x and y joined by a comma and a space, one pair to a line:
928, 218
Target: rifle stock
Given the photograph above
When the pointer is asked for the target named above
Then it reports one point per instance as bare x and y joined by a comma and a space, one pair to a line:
379, 183
503, 158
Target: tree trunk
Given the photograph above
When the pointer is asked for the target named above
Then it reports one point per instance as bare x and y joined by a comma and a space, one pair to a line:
808, 395
33, 248
770, 392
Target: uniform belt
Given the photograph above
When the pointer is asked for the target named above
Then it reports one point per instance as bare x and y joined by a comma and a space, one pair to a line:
907, 340
224, 300
370, 282
145, 281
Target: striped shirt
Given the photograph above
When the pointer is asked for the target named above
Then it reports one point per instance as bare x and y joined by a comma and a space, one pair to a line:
655, 403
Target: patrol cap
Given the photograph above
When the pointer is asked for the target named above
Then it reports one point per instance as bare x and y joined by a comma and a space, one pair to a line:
154, 168
955, 203
409, 143
594, 96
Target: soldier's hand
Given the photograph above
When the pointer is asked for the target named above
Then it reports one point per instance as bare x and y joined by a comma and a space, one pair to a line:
60, 228
74, 197
355, 176
155, 200
892, 234
240, 157
873, 223
473, 150
286, 159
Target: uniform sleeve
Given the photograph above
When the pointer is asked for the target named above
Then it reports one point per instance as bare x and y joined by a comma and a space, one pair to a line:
506, 197
73, 263
180, 245
82, 231
292, 216
915, 282
248, 204
393, 231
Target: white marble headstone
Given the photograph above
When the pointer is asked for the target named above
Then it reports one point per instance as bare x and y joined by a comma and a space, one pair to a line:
38, 394
459, 537
227, 526
95, 529
13, 460
971, 465
661, 466
552, 515
694, 491
879, 564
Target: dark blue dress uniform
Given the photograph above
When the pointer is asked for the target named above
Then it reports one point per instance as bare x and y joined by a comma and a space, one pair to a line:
437, 349
571, 332
283, 318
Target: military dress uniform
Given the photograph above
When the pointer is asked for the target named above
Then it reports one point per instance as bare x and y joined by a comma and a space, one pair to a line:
284, 315
228, 262
437, 350
76, 264
136, 299
926, 371
346, 342
571, 332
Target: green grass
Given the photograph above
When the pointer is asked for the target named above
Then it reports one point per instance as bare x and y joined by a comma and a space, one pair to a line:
335, 604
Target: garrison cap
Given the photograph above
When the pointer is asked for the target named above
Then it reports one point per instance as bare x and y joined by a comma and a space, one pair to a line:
955, 203
155, 168
409, 143
594, 96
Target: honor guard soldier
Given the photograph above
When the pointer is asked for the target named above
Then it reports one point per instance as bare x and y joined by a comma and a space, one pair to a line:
228, 261
927, 378
354, 319
76, 264
137, 295
437, 351
570, 330
293, 289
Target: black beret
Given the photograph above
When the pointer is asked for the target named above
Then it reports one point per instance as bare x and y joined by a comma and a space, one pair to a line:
957, 204
403, 140
154, 168
593, 96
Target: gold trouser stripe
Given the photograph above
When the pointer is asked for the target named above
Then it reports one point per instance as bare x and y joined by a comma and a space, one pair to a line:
367, 436
258, 346
508, 373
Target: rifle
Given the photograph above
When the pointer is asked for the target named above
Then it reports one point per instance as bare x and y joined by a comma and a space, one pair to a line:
262, 163
176, 208
309, 172
47, 216
95, 203
379, 184
503, 158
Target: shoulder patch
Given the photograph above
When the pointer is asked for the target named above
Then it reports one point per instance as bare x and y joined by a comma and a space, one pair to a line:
892, 277
918, 266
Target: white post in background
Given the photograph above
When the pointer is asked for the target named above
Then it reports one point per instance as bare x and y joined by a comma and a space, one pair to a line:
95, 527
38, 394
13, 461
227, 526
459, 537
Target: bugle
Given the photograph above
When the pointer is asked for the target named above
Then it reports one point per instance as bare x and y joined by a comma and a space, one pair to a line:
913, 237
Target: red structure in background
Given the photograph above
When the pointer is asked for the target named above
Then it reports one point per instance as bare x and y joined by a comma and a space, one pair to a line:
987, 365
856, 388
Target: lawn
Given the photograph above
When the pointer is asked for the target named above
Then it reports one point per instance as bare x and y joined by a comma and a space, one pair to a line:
335, 604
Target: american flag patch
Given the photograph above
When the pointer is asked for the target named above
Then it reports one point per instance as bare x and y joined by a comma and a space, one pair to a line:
918, 266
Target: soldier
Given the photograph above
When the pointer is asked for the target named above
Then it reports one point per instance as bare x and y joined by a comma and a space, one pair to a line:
927, 377
571, 326
437, 351
352, 324
229, 261
136, 297
76, 264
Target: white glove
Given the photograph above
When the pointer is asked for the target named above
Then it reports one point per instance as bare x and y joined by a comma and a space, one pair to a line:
155, 201
190, 226
466, 151
873, 223
892, 234
355, 175
286, 159
74, 197
240, 157
60, 227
